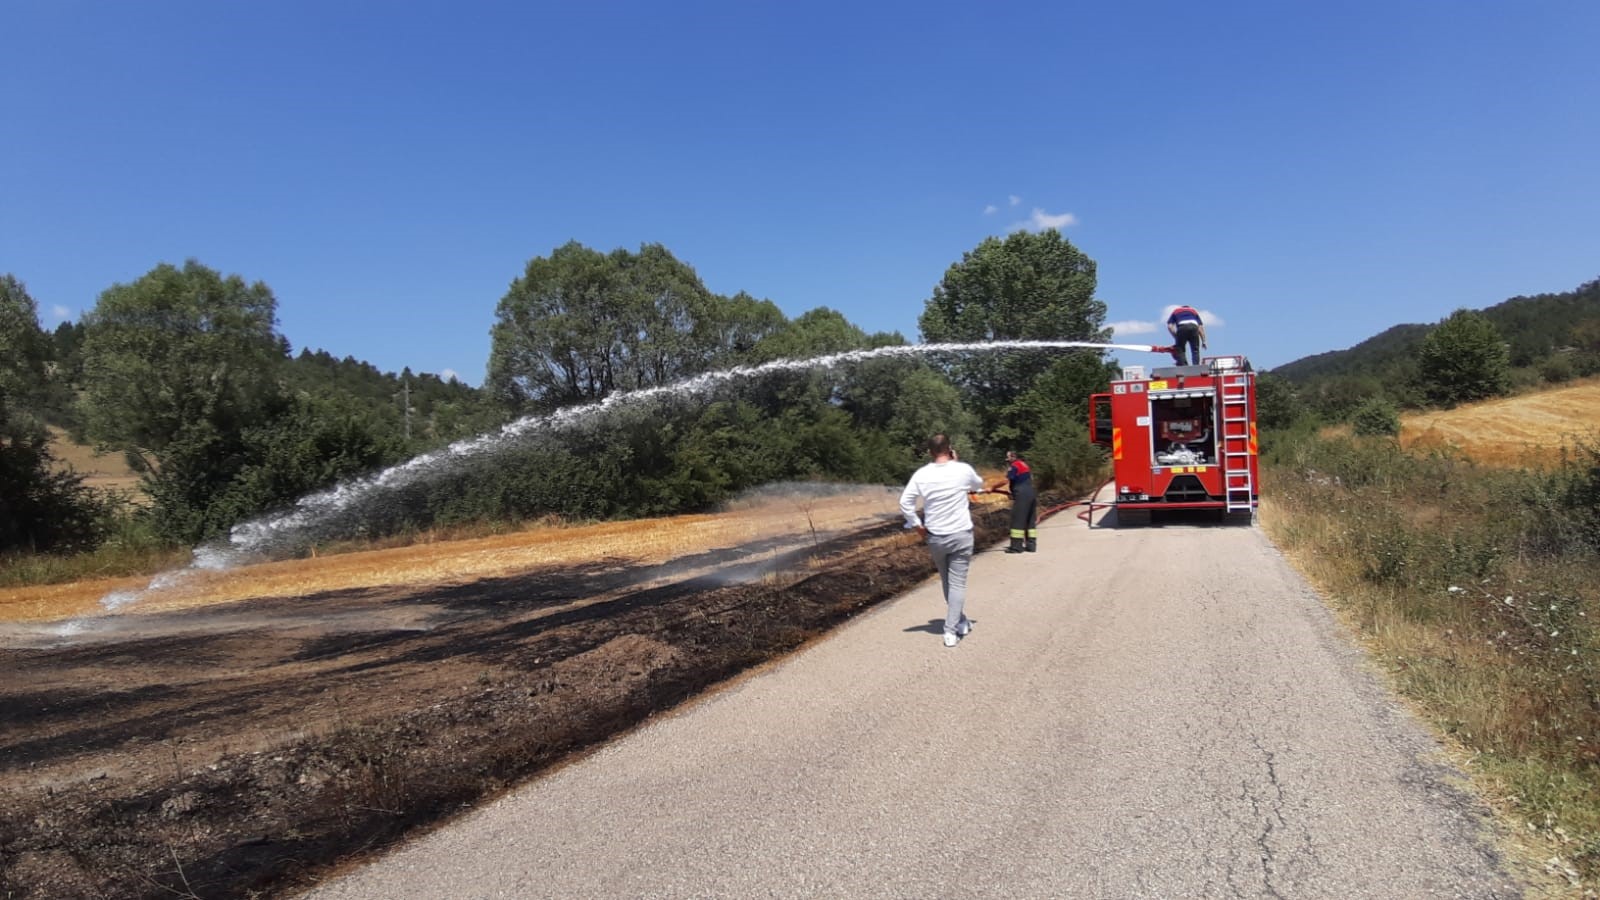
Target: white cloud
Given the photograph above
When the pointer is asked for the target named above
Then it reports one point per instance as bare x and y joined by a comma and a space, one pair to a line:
60, 312
450, 375
990, 210
1133, 326
1043, 221
1014, 200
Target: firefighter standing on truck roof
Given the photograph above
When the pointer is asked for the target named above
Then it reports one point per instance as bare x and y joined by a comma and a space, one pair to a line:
1187, 330
1024, 506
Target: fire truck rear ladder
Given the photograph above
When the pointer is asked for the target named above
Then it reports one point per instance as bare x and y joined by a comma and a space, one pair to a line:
1237, 445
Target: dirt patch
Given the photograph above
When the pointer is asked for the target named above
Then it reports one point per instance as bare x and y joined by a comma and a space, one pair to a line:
243, 749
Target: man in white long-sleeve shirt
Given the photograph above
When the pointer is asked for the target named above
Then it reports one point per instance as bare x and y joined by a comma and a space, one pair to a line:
943, 486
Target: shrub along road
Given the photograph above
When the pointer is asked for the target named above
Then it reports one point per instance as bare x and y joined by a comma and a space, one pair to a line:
1158, 712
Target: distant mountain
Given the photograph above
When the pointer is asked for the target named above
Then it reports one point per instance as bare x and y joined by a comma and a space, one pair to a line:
1382, 351
1535, 328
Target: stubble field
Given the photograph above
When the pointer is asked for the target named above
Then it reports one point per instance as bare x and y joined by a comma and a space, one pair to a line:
1525, 430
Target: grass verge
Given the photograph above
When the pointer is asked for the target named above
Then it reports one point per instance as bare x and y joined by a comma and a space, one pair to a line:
1474, 588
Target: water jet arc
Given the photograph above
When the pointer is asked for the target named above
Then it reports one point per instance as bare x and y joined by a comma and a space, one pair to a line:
257, 538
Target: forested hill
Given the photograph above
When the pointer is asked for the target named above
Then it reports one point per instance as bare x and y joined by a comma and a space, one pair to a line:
1534, 327
1381, 351
439, 410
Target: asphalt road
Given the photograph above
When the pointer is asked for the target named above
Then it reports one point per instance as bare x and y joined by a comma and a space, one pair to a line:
1162, 712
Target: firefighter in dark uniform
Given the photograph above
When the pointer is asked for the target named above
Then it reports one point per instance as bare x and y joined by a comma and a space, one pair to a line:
1188, 331
1024, 506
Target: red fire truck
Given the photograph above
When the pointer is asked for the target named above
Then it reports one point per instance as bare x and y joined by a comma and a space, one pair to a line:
1182, 437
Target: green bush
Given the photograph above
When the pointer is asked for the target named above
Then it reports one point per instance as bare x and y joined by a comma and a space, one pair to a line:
1557, 369
40, 509
1062, 455
1376, 417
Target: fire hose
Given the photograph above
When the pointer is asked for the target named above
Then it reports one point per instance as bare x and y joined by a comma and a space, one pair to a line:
1086, 515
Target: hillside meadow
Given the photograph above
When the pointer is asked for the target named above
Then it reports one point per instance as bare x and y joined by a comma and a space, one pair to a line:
1527, 429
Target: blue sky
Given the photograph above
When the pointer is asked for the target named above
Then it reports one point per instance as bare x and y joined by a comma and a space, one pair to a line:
1309, 174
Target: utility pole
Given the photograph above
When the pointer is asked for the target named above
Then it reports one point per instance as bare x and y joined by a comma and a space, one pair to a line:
407, 388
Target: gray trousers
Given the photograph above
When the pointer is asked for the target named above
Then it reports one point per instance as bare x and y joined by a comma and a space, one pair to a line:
952, 556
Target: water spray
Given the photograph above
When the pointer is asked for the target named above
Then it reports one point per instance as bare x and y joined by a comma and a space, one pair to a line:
258, 538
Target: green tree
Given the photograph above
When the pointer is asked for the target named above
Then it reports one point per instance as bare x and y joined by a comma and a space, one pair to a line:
1063, 456
1376, 417
1557, 369
680, 333
582, 324
320, 439
552, 343
1023, 287
177, 366
906, 401
1337, 397
1584, 337
40, 508
1463, 359
817, 332
741, 323
24, 348
1278, 403
1064, 389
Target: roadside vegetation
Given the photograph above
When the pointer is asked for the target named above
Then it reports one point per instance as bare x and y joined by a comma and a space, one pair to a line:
183, 374
1473, 586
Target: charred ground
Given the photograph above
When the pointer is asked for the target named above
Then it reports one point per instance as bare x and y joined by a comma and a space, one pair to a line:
244, 751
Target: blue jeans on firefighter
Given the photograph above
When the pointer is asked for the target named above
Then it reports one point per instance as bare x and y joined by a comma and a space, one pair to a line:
1188, 336
952, 556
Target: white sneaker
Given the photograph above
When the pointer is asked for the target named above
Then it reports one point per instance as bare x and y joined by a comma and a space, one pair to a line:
951, 639
965, 628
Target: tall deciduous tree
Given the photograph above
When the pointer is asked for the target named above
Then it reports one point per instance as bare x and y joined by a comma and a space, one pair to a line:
817, 332
581, 324
741, 323
907, 401
24, 348
178, 365
176, 348
1463, 359
1027, 286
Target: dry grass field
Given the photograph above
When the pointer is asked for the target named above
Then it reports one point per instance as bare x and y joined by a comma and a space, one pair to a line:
1526, 430
795, 515
100, 470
